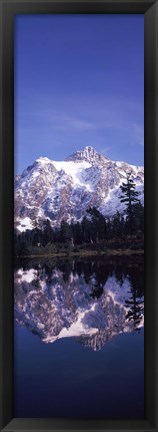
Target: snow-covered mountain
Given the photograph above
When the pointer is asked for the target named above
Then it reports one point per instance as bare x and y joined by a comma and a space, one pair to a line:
58, 190
53, 308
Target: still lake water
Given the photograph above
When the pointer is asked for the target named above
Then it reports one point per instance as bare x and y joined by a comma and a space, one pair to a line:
79, 339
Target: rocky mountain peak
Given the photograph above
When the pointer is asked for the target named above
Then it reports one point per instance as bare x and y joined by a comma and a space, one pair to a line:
58, 190
88, 154
66, 308
42, 160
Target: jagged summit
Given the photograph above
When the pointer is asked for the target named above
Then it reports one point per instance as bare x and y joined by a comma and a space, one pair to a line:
71, 309
88, 154
58, 190
42, 159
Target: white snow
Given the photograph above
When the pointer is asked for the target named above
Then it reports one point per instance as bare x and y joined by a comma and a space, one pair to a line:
35, 174
119, 163
118, 293
112, 202
28, 275
134, 168
122, 172
43, 160
75, 170
124, 165
77, 328
25, 224
84, 182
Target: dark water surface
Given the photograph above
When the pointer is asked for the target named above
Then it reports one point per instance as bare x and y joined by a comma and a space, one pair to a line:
79, 339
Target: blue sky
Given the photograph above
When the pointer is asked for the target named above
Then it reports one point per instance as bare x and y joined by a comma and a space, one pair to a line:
79, 80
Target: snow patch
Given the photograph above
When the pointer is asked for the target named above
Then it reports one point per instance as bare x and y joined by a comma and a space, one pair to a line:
76, 171
25, 224
77, 328
28, 275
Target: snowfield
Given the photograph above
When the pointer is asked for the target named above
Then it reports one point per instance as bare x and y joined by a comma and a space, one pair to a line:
58, 190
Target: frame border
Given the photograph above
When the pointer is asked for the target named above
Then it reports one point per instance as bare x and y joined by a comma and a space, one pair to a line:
8, 8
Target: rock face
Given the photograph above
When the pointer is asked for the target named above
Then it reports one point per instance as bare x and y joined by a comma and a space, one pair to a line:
65, 190
54, 308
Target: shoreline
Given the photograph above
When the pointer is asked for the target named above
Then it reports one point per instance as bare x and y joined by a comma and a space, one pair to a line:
84, 253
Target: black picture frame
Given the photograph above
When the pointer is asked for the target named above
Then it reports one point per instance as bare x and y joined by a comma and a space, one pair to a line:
7, 11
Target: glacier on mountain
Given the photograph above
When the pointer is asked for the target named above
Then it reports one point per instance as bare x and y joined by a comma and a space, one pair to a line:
54, 308
58, 190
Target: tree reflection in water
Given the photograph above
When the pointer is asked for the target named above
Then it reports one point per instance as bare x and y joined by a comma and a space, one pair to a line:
90, 300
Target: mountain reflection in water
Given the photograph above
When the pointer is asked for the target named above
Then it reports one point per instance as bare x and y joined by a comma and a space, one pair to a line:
90, 301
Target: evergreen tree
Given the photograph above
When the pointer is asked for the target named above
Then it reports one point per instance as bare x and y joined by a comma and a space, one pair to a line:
65, 232
135, 309
86, 227
138, 214
108, 229
129, 197
47, 236
117, 225
76, 233
98, 224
